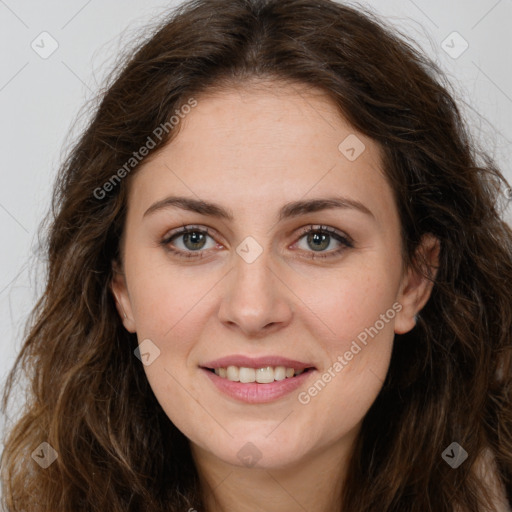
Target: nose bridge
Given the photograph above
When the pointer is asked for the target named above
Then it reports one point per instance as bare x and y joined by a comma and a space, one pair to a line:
256, 298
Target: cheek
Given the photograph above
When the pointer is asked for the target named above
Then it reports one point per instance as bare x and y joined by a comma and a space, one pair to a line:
170, 309
166, 298
345, 304
353, 320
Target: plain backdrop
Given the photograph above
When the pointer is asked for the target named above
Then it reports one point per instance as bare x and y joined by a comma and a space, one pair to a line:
41, 96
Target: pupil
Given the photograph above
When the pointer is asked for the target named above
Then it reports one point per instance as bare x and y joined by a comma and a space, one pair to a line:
194, 238
319, 237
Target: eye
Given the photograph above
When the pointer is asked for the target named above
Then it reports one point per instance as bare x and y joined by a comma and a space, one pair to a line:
191, 242
320, 238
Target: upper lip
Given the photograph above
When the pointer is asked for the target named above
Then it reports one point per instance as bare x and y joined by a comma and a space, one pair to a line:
256, 362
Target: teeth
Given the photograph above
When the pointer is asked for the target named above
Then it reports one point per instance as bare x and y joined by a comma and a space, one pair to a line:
232, 373
279, 373
247, 374
263, 375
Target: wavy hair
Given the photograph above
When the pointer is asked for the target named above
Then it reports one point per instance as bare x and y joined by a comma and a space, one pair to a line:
450, 378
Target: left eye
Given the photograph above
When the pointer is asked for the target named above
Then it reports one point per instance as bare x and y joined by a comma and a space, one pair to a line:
320, 238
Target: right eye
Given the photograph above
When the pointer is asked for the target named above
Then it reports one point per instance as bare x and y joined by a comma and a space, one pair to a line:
193, 241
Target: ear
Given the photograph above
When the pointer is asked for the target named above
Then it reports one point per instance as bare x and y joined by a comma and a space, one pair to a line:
417, 284
122, 298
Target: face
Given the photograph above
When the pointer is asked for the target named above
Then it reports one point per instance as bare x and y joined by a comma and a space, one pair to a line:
292, 260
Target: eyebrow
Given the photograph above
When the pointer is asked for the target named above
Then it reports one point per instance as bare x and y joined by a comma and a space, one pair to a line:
287, 211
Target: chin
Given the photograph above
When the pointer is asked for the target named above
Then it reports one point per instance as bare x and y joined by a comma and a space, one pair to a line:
260, 452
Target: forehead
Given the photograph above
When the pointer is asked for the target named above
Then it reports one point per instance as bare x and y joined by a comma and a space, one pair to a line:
264, 144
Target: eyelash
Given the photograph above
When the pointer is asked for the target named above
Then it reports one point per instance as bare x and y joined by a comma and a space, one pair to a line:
343, 239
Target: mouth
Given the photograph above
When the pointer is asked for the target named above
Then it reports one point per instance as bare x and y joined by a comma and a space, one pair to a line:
262, 375
257, 380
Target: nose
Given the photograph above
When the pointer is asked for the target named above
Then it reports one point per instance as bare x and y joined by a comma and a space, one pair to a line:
256, 300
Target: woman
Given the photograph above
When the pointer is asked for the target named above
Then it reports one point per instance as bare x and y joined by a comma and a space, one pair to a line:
278, 280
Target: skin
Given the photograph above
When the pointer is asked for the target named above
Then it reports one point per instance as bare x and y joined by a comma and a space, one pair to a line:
237, 148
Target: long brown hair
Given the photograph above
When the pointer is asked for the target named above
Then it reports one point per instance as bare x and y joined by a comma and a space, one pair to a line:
450, 378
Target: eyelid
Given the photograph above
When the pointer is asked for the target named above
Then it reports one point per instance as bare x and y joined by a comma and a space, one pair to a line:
187, 228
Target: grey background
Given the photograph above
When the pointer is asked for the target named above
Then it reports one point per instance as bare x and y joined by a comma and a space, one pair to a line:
41, 98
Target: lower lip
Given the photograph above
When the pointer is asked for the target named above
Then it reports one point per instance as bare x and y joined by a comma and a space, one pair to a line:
254, 392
